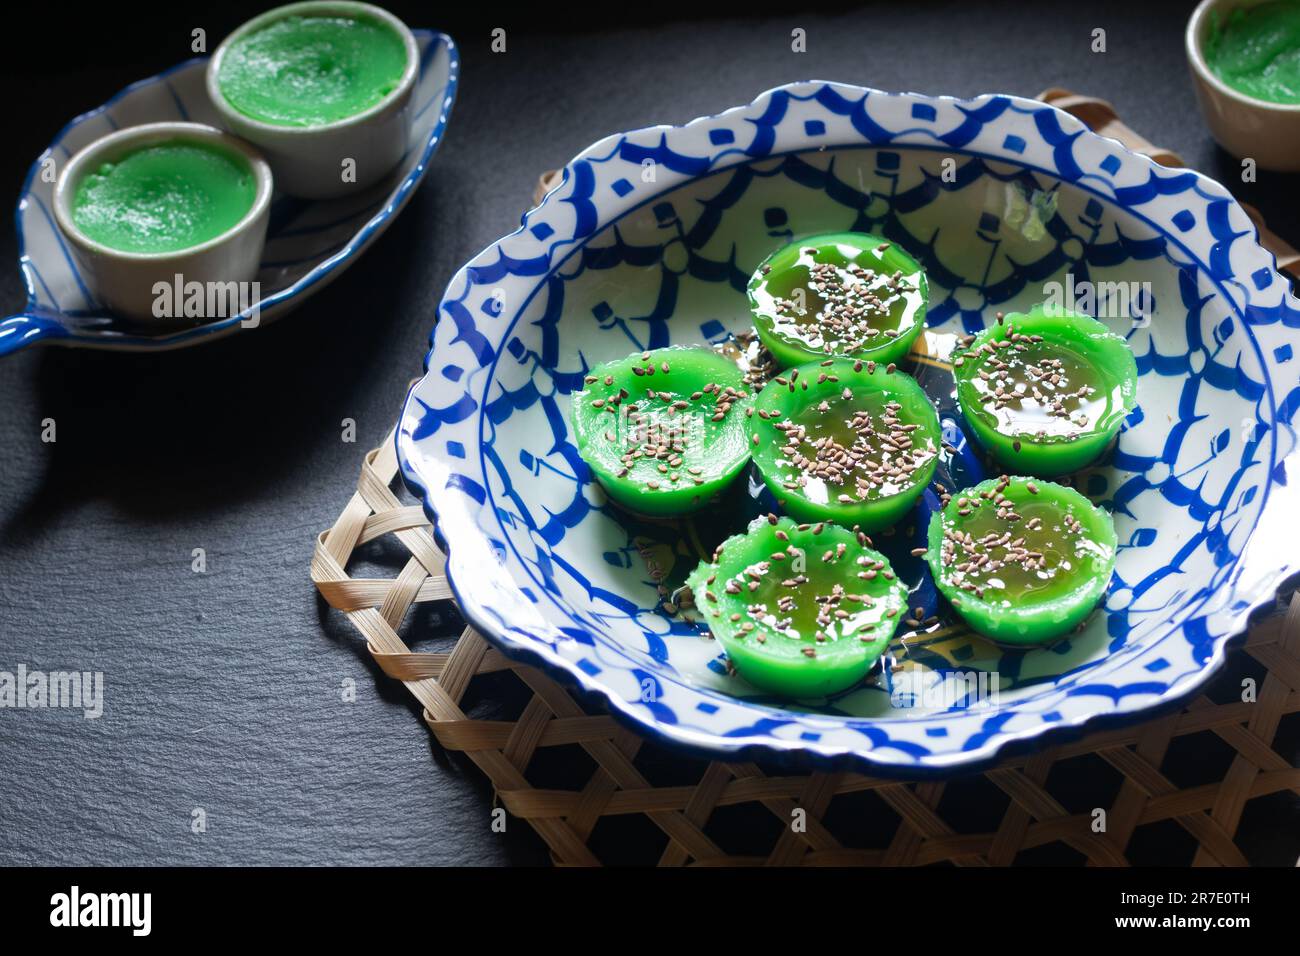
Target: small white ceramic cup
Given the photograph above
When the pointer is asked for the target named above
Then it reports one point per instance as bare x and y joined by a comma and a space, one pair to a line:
1268, 133
309, 160
128, 282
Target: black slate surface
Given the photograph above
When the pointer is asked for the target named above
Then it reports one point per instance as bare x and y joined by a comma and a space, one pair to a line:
224, 689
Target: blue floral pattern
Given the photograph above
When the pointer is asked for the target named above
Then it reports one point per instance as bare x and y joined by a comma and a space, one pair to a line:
648, 241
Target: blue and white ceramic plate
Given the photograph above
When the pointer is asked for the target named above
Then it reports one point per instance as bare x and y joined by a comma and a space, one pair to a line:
648, 241
308, 243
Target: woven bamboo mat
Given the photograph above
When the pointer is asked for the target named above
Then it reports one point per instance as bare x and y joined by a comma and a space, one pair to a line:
1031, 796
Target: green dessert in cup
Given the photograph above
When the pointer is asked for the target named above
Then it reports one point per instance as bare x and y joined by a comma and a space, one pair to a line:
1022, 561
310, 69
663, 431
845, 440
164, 196
839, 294
801, 610
1045, 392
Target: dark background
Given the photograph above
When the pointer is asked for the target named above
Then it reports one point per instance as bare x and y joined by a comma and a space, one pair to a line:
223, 690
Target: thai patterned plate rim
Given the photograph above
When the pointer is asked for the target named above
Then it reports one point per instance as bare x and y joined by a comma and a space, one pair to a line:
445, 505
37, 323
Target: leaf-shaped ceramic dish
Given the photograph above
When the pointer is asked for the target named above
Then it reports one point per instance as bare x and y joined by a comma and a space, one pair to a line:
648, 241
308, 243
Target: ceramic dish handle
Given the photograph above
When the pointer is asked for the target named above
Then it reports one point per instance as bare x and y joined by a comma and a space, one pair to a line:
1101, 118
28, 328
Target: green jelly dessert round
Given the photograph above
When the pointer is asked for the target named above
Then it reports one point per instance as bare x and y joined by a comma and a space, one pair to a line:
312, 70
1021, 561
845, 440
802, 610
1045, 392
164, 197
663, 431
841, 293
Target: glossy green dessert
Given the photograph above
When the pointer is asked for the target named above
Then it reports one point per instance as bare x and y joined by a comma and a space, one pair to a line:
801, 610
1256, 50
845, 440
1045, 393
841, 294
663, 431
312, 70
1021, 561
164, 197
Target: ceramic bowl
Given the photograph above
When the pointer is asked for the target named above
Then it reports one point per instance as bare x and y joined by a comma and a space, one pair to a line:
308, 243
649, 240
126, 281
308, 160
1268, 133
